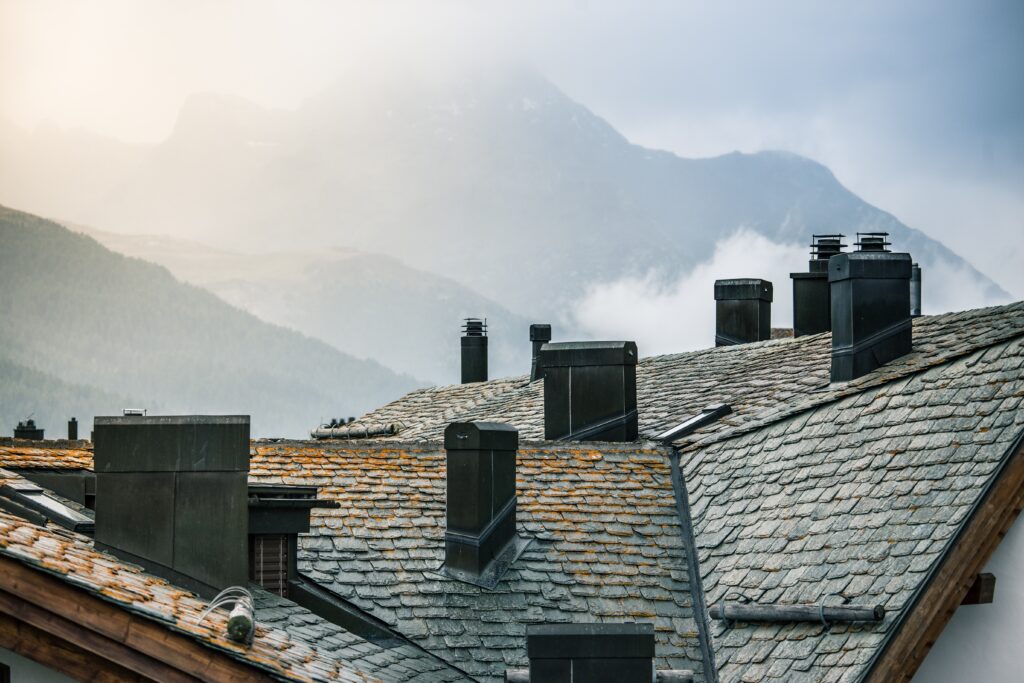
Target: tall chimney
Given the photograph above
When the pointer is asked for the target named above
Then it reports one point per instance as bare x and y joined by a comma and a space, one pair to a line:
171, 495
73, 429
481, 502
474, 350
590, 391
596, 653
743, 311
870, 291
28, 430
811, 298
915, 291
539, 336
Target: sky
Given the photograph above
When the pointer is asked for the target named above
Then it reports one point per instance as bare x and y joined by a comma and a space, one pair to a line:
916, 106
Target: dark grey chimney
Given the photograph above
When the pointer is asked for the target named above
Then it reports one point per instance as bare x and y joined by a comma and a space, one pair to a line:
539, 336
870, 291
28, 430
915, 291
171, 495
474, 350
811, 299
743, 311
481, 501
73, 429
595, 653
590, 391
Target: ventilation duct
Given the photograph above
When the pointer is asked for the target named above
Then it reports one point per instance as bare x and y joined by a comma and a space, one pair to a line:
474, 350
743, 311
539, 336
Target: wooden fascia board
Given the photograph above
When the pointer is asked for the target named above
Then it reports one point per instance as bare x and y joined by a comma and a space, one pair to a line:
972, 549
94, 617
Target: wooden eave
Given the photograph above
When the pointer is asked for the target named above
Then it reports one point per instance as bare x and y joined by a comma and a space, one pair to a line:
65, 628
933, 607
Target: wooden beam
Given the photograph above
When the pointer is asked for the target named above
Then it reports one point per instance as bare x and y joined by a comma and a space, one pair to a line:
167, 650
935, 605
982, 591
60, 655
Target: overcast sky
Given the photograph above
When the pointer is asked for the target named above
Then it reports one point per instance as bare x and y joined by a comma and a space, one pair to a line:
916, 106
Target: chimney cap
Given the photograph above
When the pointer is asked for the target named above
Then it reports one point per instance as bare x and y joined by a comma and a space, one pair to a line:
474, 327
579, 354
590, 641
488, 436
869, 265
872, 241
743, 288
540, 332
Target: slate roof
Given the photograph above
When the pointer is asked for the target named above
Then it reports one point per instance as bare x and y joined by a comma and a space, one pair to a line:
290, 643
860, 495
53, 455
756, 380
607, 545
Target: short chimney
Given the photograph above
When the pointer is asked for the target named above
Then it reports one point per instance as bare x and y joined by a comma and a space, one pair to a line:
811, 299
590, 391
915, 291
870, 290
474, 350
28, 430
73, 429
595, 653
743, 311
539, 336
171, 495
481, 499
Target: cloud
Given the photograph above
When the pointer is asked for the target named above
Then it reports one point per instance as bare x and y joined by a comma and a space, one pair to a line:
680, 315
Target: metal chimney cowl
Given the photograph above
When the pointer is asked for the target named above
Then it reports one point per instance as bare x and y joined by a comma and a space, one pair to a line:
474, 350
743, 311
871, 324
172, 495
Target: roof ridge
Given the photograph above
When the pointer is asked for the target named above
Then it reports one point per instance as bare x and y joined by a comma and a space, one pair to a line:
872, 380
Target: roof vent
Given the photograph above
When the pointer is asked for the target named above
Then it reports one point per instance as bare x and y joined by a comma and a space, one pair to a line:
743, 311
870, 292
480, 539
539, 336
172, 495
596, 653
915, 291
590, 391
28, 430
811, 299
873, 241
474, 350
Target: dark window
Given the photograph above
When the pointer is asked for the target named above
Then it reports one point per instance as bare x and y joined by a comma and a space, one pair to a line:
268, 562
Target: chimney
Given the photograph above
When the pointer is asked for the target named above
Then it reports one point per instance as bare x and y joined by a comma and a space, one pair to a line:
73, 429
743, 311
596, 653
539, 335
474, 350
590, 391
481, 502
870, 291
171, 495
811, 298
28, 430
915, 291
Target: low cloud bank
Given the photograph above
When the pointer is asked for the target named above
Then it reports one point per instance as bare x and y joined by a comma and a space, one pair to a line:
674, 316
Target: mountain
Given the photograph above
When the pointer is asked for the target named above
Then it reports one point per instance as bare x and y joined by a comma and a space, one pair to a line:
76, 313
495, 179
368, 305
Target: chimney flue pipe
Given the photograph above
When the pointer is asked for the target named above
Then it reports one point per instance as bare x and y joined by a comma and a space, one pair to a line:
811, 298
474, 350
915, 291
73, 429
539, 336
743, 311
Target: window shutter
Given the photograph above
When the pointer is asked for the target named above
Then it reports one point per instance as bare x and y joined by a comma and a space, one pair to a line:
268, 563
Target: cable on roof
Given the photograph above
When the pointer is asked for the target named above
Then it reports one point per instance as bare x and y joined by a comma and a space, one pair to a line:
241, 620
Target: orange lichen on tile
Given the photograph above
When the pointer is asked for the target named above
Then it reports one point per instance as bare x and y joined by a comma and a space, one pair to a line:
20, 455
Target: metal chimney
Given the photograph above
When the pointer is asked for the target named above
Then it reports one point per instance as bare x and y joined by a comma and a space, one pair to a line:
743, 311
590, 391
171, 495
539, 335
915, 291
811, 298
870, 291
595, 653
28, 430
474, 350
481, 501
73, 429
